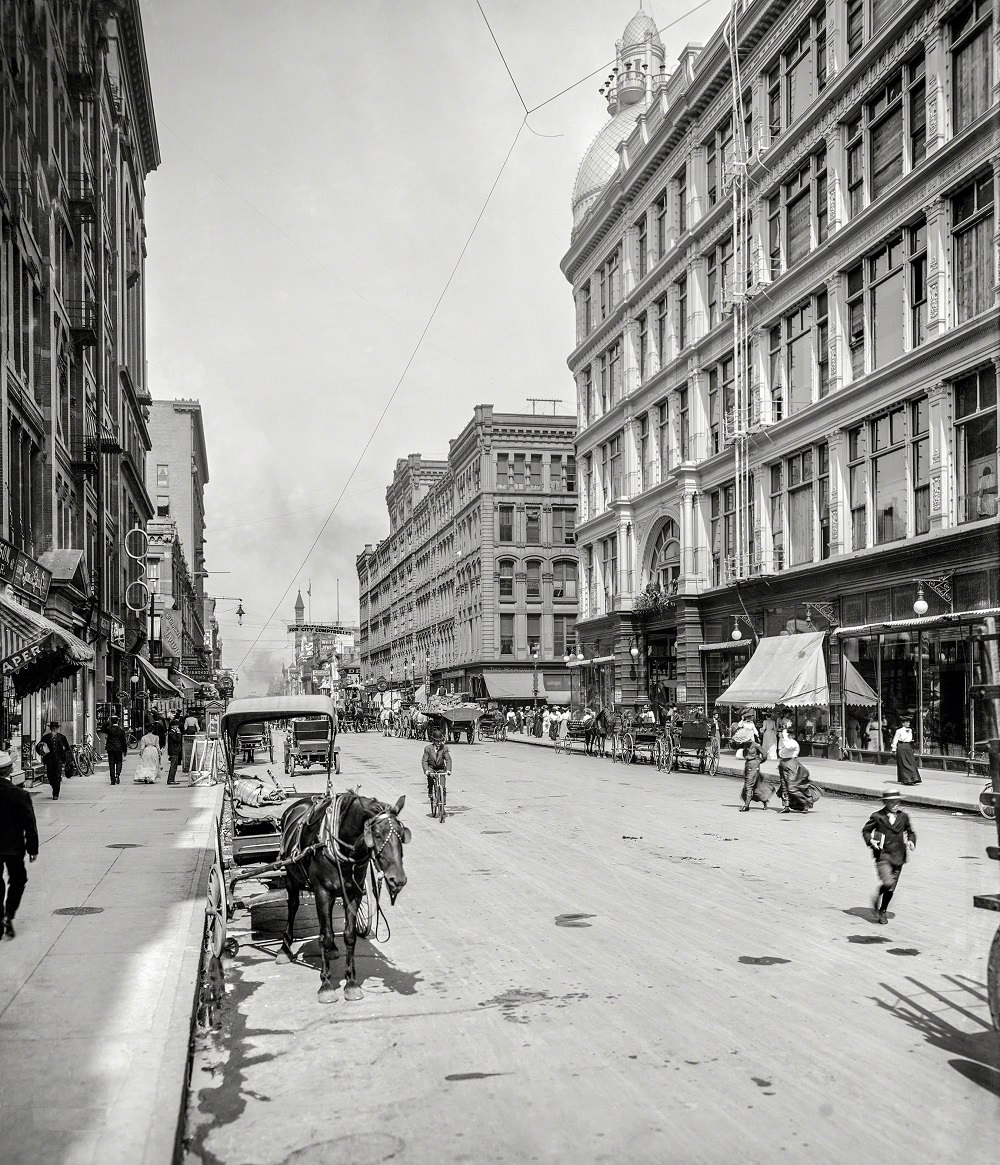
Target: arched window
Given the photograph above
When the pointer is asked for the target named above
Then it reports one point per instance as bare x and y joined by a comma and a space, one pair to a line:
665, 559
506, 577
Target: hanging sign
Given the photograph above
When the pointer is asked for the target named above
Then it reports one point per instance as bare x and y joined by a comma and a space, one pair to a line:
27, 655
171, 636
23, 573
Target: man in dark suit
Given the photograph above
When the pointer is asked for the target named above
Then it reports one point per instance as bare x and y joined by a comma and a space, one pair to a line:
53, 748
117, 746
18, 836
890, 836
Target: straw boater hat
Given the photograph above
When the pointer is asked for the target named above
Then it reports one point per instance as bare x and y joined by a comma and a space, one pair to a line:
891, 795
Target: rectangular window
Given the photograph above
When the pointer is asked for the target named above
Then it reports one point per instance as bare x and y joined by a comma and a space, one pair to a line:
972, 220
562, 634
887, 137
533, 526
518, 471
660, 210
970, 33
800, 508
587, 307
865, 18
976, 444
506, 580
609, 282
163, 477
681, 196
564, 580
858, 454
563, 526
920, 465
798, 76
506, 532
612, 468
723, 531
777, 517
681, 299
641, 242
533, 580
663, 438
506, 634
683, 424
799, 357
642, 338
610, 372
718, 160
887, 301
588, 395
569, 474
534, 627
533, 472
504, 471
609, 567
662, 329
823, 498
162, 506
719, 263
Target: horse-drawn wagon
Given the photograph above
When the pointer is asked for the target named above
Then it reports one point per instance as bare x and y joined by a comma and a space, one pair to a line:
632, 736
693, 738
250, 737
311, 741
458, 717
493, 725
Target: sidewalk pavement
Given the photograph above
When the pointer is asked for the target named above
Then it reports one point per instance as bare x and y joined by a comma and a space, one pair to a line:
938, 790
96, 1008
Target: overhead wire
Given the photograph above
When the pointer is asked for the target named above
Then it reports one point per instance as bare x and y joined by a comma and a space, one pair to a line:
448, 282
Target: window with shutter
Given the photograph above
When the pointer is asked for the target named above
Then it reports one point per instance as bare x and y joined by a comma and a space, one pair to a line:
887, 152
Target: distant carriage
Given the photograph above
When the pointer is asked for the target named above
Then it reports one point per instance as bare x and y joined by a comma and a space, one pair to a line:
311, 741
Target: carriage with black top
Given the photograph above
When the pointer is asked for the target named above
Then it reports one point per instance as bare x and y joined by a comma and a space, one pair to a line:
692, 738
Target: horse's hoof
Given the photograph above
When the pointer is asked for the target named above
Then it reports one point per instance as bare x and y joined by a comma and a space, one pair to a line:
352, 993
283, 956
327, 995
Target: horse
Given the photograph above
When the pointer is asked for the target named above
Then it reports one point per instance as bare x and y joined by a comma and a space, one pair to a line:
596, 733
328, 845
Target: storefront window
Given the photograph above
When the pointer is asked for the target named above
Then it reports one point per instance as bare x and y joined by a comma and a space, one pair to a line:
944, 691
900, 664
721, 669
862, 727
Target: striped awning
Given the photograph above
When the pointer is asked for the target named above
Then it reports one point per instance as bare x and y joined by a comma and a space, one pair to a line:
36, 651
155, 679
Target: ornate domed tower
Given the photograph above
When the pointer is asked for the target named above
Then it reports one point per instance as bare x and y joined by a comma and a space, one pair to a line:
628, 90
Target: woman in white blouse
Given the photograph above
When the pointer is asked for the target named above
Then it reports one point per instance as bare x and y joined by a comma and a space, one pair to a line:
902, 746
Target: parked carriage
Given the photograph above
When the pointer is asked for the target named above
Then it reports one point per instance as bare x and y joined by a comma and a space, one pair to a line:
250, 737
693, 738
311, 741
493, 725
632, 737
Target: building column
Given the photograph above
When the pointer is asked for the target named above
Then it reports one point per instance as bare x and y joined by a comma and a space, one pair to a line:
996, 204
697, 280
836, 181
943, 511
697, 412
837, 340
840, 542
937, 267
935, 71
836, 39
697, 181
630, 263
630, 356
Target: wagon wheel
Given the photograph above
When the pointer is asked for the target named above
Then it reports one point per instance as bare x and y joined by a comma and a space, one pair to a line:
711, 759
628, 748
614, 748
215, 913
503, 732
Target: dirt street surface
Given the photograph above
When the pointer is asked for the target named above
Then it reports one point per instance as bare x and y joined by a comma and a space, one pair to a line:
598, 963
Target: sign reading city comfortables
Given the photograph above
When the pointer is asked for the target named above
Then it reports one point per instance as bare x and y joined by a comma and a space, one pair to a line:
27, 655
23, 573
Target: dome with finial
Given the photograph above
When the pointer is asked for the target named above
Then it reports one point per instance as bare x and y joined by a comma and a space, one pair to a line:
628, 89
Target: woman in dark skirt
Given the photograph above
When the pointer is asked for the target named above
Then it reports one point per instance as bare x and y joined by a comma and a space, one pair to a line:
902, 746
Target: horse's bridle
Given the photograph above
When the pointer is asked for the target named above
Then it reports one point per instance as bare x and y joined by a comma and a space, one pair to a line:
393, 831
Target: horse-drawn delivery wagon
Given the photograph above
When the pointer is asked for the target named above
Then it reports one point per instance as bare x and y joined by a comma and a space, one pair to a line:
459, 717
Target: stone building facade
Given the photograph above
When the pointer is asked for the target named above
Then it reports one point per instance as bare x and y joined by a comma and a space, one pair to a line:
784, 259
77, 141
475, 587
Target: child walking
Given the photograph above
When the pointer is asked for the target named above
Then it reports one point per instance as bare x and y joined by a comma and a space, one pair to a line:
890, 835
753, 754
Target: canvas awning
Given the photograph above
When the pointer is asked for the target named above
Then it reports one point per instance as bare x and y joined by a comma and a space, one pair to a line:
511, 685
786, 670
46, 652
855, 689
156, 680
556, 689
187, 685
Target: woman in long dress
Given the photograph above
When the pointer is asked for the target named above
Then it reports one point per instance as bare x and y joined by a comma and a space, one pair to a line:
769, 738
797, 791
907, 772
148, 769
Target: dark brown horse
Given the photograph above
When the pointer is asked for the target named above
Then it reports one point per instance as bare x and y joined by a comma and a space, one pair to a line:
330, 843
595, 735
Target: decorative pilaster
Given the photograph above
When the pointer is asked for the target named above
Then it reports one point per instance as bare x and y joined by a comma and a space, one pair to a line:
630, 356
697, 413
937, 243
837, 448
697, 181
996, 223
943, 510
630, 258
935, 71
697, 289
837, 339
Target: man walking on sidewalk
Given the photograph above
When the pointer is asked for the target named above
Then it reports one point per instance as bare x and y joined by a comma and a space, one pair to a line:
175, 749
18, 836
53, 748
116, 743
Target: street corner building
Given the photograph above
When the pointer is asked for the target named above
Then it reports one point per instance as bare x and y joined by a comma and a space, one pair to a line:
784, 261
474, 590
77, 144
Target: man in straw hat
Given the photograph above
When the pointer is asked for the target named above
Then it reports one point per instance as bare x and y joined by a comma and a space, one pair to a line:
18, 836
890, 836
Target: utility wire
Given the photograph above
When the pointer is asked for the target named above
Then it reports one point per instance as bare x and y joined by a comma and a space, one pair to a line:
392, 395
503, 58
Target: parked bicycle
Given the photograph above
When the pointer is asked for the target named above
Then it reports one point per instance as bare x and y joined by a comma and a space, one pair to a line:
82, 759
988, 802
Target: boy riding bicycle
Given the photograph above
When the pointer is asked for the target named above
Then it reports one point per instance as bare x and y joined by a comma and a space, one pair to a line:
436, 761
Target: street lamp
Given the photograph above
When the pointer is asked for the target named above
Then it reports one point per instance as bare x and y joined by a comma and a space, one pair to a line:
534, 675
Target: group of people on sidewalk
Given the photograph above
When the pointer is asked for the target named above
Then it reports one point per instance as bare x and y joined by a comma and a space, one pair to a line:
798, 793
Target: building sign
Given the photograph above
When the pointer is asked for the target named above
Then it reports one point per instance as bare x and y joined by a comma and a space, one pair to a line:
23, 573
171, 635
27, 655
114, 631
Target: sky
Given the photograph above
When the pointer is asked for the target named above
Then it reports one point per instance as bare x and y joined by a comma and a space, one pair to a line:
319, 254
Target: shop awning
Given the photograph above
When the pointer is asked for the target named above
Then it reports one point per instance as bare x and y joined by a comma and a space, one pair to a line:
785, 669
46, 654
511, 685
187, 685
556, 689
857, 693
155, 679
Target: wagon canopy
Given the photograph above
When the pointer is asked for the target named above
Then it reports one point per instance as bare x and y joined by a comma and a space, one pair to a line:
255, 709
786, 670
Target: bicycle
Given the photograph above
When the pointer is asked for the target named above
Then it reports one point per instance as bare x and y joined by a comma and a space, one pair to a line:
437, 797
988, 802
82, 760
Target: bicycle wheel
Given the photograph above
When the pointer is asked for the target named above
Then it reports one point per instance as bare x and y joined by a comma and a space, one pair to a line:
440, 801
85, 762
987, 803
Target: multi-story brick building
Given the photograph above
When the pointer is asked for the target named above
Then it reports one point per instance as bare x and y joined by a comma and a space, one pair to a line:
176, 476
78, 140
784, 260
475, 587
